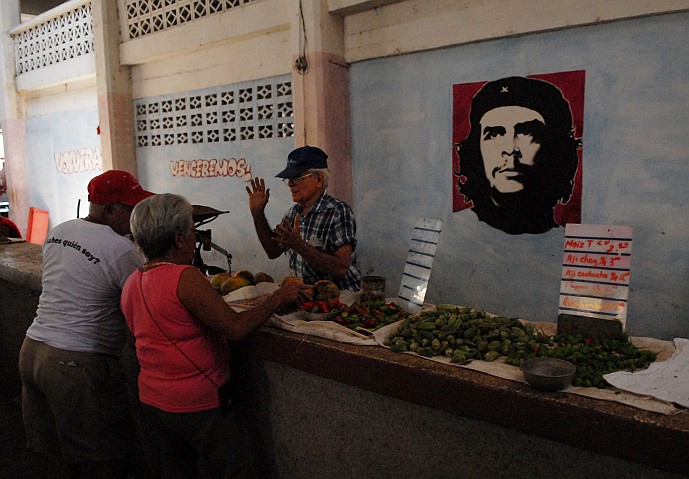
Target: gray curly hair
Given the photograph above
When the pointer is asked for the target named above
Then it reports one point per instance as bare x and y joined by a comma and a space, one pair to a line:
156, 221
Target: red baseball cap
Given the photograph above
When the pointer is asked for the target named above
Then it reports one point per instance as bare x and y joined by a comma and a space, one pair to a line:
116, 186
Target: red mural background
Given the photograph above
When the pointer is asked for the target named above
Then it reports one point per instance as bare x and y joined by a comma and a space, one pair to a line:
571, 84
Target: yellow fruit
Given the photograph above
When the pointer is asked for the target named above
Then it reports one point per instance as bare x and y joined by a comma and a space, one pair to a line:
218, 279
234, 283
263, 278
290, 279
325, 290
245, 274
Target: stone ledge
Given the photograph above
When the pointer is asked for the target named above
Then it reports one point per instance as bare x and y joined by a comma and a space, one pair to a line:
603, 427
21, 264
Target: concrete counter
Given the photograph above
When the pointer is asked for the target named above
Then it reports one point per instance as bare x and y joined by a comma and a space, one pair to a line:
319, 408
20, 287
606, 429
21, 264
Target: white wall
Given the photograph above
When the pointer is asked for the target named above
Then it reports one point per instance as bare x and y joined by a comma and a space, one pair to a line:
386, 28
217, 64
62, 148
241, 44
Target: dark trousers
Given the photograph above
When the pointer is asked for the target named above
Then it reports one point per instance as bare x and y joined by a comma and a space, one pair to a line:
205, 444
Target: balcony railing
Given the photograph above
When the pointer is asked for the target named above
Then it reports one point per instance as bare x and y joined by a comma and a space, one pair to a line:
61, 34
144, 17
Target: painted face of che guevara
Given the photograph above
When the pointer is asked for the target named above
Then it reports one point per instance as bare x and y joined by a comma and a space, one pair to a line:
510, 140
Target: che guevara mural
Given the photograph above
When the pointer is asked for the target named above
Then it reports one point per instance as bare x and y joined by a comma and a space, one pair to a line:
517, 156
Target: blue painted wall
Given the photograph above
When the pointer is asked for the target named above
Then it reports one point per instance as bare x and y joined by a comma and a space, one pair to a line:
233, 231
264, 157
57, 186
636, 158
635, 155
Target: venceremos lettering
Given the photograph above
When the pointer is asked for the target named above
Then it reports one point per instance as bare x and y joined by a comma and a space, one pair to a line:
212, 168
77, 161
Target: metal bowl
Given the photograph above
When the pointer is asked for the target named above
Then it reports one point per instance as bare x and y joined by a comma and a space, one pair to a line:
548, 374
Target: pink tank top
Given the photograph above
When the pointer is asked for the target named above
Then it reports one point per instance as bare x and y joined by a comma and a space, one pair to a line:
183, 362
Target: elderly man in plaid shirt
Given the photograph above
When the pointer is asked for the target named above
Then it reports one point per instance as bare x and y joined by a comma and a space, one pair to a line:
318, 232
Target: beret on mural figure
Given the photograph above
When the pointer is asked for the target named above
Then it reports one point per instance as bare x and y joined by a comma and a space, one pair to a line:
531, 93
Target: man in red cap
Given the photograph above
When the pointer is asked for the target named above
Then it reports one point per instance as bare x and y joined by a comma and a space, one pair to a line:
74, 397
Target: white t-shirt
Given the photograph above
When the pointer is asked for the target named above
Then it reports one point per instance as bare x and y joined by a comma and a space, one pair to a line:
85, 266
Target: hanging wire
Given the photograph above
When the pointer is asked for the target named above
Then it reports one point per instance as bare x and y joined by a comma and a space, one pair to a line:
301, 64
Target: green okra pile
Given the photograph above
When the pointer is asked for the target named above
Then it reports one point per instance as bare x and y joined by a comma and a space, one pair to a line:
462, 334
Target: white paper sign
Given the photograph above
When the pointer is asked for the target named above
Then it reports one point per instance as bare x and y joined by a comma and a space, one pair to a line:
596, 265
417, 268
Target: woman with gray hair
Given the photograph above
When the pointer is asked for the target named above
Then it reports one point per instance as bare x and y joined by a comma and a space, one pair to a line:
181, 327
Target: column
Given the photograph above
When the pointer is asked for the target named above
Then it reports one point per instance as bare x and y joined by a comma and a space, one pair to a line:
320, 84
12, 122
114, 89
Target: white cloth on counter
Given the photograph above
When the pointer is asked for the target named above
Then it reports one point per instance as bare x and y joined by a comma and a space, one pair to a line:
295, 322
501, 369
666, 380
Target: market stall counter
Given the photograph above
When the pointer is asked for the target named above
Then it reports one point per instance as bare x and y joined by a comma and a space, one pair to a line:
320, 407
607, 428
656, 440
610, 422
20, 288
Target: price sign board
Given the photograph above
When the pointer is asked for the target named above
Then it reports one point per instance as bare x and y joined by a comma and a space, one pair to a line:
596, 265
417, 268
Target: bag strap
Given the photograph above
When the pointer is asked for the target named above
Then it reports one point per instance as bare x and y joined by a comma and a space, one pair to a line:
150, 314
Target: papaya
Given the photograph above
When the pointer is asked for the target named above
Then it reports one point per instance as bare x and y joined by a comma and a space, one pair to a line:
263, 278
248, 275
234, 283
218, 279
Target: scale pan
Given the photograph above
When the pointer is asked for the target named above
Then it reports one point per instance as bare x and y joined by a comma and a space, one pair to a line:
203, 213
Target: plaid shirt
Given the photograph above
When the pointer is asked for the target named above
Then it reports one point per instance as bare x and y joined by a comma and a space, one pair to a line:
329, 224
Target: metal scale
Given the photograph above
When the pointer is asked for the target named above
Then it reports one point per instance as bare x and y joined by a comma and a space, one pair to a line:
203, 215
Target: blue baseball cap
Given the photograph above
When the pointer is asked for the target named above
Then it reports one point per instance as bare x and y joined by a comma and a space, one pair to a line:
302, 159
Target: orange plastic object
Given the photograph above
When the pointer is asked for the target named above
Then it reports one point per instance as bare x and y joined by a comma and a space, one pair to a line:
38, 226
